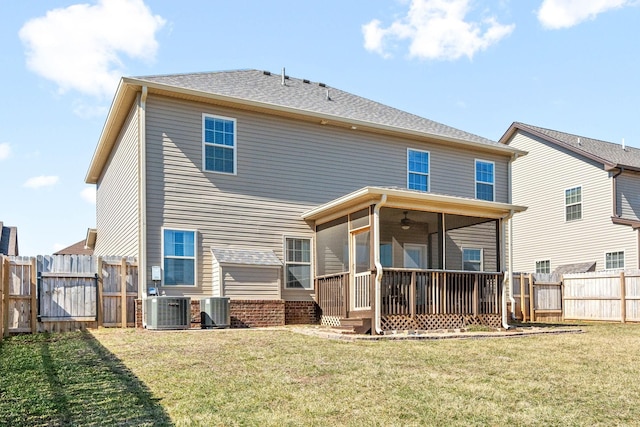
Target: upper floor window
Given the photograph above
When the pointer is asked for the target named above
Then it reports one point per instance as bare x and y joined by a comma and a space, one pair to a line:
573, 203
485, 179
298, 263
472, 259
179, 256
219, 144
614, 260
418, 170
543, 266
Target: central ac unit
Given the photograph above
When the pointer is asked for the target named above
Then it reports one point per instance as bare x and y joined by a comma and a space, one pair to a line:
165, 312
214, 312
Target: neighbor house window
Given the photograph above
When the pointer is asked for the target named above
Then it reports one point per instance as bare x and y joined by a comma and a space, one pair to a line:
485, 179
179, 257
543, 266
219, 144
614, 260
573, 203
472, 259
298, 263
418, 170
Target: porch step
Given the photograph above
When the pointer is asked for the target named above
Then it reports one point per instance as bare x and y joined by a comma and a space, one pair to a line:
354, 325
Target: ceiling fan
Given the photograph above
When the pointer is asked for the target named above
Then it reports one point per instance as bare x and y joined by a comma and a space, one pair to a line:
405, 222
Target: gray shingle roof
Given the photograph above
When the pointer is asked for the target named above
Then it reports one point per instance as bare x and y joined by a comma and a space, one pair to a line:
258, 86
245, 257
608, 152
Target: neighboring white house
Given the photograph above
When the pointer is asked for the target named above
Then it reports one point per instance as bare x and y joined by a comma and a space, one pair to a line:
583, 199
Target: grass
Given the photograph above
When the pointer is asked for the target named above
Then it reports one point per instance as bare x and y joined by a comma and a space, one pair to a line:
278, 377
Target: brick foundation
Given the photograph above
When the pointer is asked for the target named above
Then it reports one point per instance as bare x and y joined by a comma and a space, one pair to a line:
246, 313
301, 313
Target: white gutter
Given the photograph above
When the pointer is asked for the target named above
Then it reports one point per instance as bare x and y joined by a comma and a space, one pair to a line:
142, 196
376, 261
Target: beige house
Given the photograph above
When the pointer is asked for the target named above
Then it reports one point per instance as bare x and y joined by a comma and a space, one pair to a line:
8, 240
287, 193
583, 199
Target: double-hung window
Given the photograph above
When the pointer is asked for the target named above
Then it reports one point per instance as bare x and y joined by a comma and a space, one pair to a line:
219, 144
573, 203
179, 256
417, 170
485, 180
614, 260
543, 266
472, 259
298, 263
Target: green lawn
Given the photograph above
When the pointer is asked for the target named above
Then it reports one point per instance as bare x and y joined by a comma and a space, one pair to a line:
278, 377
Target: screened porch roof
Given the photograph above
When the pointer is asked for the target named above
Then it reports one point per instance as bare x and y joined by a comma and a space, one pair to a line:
402, 198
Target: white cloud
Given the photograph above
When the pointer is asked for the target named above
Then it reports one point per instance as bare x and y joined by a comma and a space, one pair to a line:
5, 150
556, 14
41, 181
436, 29
81, 47
89, 195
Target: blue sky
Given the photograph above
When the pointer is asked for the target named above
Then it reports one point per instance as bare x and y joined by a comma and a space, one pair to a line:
569, 65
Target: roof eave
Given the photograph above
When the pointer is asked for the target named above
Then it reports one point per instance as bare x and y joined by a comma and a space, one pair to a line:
506, 137
401, 198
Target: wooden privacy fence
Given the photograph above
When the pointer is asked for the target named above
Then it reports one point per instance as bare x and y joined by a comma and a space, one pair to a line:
546, 304
66, 292
607, 295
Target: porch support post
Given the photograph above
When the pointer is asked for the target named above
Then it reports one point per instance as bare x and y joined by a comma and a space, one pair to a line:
376, 259
412, 295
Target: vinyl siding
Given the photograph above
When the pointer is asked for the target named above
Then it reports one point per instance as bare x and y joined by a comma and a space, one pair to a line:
117, 209
478, 236
284, 167
629, 195
252, 283
540, 233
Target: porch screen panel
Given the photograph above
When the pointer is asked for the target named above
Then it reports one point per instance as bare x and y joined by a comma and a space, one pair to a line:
470, 232
332, 247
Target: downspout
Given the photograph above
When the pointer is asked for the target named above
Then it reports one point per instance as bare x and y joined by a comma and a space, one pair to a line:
508, 278
376, 261
142, 193
615, 192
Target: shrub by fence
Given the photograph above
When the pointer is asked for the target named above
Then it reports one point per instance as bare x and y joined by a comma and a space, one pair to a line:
66, 292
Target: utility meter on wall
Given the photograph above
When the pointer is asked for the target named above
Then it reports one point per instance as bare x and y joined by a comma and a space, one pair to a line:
156, 275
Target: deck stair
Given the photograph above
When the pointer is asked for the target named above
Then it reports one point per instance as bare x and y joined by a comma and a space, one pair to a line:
354, 326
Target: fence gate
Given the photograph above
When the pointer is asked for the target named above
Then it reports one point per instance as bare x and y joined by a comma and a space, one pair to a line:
546, 304
66, 292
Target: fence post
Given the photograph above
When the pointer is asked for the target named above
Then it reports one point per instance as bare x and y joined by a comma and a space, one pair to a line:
623, 299
523, 308
99, 296
123, 291
34, 296
532, 307
5, 292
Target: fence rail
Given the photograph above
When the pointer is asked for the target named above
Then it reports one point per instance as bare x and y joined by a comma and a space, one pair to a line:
66, 292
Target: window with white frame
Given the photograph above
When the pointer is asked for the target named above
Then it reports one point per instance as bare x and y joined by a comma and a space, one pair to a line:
298, 263
179, 257
485, 179
417, 170
543, 266
472, 259
614, 260
573, 203
219, 144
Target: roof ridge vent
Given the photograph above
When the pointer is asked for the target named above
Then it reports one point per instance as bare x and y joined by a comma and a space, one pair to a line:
266, 73
322, 85
306, 81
